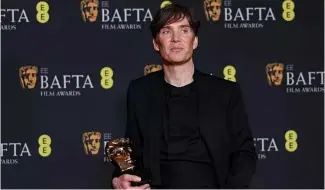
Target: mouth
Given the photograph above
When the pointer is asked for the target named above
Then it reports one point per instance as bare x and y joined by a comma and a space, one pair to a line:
176, 49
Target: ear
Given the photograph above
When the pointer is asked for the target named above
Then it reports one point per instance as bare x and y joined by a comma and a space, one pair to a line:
196, 42
155, 44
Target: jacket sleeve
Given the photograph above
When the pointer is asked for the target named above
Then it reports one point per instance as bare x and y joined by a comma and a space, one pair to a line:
243, 155
132, 129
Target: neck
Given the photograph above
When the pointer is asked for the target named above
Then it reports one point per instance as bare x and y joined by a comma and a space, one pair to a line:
179, 75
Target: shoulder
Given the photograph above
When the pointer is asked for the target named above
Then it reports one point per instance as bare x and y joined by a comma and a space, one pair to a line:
142, 83
218, 84
226, 92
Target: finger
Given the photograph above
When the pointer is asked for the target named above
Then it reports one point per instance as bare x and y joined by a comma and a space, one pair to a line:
126, 185
116, 182
144, 186
128, 177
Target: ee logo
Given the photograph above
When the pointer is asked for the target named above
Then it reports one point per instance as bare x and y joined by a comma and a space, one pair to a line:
230, 73
107, 78
291, 140
288, 6
42, 8
165, 3
44, 148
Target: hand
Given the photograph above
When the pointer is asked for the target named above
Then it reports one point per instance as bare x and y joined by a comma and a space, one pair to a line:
124, 182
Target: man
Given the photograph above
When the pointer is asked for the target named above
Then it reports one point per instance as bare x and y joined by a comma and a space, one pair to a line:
190, 129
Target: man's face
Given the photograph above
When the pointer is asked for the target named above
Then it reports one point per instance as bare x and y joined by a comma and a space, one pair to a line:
93, 143
176, 42
91, 11
29, 77
276, 74
213, 9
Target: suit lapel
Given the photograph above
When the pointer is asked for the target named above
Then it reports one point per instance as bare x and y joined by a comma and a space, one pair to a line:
154, 124
204, 105
209, 123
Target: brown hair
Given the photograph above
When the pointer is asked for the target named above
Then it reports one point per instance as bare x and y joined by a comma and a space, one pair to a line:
170, 14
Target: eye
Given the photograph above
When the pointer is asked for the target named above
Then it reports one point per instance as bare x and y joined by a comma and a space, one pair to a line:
165, 32
185, 30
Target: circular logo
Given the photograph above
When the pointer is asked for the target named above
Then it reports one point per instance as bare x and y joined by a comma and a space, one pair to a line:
291, 137
107, 81
229, 72
42, 12
288, 14
44, 149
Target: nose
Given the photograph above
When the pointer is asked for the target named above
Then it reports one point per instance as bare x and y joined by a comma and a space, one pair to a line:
277, 74
175, 37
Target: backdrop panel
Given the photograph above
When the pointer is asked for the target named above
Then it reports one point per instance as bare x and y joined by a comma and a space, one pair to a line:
66, 66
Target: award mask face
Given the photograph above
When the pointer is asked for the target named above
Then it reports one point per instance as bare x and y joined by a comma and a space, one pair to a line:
119, 152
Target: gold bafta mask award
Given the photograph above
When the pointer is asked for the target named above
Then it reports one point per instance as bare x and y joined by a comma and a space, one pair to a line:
120, 153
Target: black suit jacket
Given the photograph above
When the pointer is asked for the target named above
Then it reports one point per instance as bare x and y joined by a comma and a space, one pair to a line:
223, 122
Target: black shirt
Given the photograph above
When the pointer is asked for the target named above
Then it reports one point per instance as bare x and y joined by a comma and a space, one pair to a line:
185, 161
